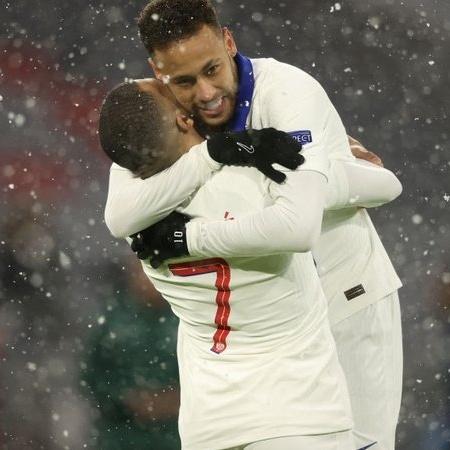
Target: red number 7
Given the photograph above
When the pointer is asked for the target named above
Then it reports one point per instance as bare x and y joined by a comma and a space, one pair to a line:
222, 270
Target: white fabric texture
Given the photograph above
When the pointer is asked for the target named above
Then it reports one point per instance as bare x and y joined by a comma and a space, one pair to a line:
295, 219
334, 441
348, 254
369, 345
360, 183
349, 251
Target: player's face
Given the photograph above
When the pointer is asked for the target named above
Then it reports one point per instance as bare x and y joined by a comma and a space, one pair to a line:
174, 139
201, 73
177, 123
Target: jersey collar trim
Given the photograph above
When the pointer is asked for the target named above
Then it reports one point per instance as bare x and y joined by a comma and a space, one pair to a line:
245, 93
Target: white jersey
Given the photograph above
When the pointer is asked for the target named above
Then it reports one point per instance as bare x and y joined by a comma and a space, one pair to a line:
255, 353
353, 265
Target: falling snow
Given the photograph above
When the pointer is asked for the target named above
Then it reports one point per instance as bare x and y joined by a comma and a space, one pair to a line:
73, 302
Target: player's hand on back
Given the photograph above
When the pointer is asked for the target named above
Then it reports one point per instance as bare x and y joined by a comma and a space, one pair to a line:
257, 148
361, 152
163, 240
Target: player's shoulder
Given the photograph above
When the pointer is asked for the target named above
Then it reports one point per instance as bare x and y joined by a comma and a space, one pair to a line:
270, 72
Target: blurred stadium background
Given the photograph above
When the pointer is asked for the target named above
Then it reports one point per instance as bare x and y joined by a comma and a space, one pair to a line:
86, 344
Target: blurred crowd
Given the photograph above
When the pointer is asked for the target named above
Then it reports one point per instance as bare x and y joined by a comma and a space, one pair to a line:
87, 345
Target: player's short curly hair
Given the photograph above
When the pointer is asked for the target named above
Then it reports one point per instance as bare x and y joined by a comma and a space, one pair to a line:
163, 22
131, 129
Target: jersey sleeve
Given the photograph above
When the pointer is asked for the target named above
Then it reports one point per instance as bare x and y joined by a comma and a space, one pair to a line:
134, 204
291, 224
294, 102
360, 183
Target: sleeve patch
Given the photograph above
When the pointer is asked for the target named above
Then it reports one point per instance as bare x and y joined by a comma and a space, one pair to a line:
302, 136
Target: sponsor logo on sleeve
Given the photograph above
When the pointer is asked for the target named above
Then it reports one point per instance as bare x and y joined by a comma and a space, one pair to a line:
302, 136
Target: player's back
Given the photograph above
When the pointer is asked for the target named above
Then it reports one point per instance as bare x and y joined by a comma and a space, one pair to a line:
262, 300
255, 352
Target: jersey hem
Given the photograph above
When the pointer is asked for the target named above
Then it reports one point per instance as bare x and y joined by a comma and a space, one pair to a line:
255, 437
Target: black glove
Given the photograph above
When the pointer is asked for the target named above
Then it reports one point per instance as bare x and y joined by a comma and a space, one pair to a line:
163, 240
257, 148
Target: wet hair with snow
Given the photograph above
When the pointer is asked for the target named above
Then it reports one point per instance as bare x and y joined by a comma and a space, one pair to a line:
163, 22
131, 130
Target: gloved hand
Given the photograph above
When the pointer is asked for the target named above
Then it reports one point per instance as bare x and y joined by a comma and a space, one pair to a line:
163, 240
257, 148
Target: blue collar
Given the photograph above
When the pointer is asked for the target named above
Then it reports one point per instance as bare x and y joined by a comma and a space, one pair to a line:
245, 93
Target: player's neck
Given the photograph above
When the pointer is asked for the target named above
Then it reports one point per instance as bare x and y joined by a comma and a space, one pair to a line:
189, 140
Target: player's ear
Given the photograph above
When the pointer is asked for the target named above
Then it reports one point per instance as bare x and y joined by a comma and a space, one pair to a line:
184, 122
230, 44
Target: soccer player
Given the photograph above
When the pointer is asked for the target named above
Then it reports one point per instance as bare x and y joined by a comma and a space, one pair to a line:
200, 63
114, 126
258, 367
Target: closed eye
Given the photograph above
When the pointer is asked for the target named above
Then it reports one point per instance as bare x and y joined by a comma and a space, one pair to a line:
212, 70
184, 82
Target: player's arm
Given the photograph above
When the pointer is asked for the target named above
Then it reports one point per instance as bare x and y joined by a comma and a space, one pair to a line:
360, 183
134, 204
291, 224
294, 102
294, 106
293, 219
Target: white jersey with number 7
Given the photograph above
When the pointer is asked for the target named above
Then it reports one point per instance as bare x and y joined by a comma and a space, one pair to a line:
255, 352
